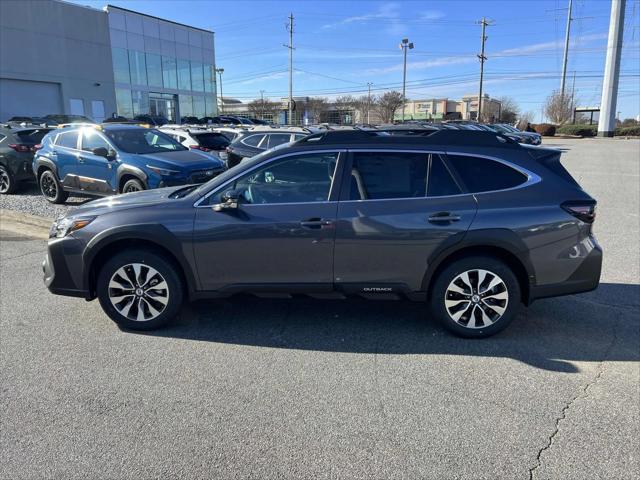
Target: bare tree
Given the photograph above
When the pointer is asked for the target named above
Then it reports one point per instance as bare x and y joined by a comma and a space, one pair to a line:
362, 106
509, 110
388, 104
315, 107
559, 107
524, 119
261, 107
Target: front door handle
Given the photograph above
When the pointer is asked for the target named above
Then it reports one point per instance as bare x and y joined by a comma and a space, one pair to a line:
444, 217
316, 223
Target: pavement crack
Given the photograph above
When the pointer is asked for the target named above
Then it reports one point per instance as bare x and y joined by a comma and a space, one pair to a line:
583, 393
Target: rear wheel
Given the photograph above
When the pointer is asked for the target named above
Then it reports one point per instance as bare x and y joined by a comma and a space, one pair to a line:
476, 296
133, 185
51, 188
140, 290
7, 182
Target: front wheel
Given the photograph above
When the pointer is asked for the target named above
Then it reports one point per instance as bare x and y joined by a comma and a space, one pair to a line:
133, 185
140, 290
475, 296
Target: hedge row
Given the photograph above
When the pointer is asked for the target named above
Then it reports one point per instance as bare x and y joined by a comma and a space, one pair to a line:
631, 131
545, 129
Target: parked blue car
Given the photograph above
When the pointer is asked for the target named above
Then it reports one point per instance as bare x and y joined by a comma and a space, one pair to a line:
110, 159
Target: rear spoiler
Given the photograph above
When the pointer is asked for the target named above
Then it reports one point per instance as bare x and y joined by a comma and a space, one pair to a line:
550, 158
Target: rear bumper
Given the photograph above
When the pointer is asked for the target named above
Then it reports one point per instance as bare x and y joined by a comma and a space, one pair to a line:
584, 279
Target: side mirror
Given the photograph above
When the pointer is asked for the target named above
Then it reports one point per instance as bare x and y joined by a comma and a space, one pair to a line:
229, 201
101, 152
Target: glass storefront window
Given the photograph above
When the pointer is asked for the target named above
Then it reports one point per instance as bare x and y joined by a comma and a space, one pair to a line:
140, 102
209, 79
186, 105
120, 65
154, 70
197, 78
198, 106
169, 77
138, 68
210, 106
184, 75
123, 102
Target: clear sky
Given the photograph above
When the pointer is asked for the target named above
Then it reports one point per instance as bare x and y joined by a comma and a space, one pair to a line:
342, 45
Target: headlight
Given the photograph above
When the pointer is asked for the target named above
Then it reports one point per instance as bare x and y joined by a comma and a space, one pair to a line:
64, 226
163, 172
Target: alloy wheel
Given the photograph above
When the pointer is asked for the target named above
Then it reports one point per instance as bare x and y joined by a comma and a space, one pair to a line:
48, 186
476, 298
132, 188
138, 292
5, 181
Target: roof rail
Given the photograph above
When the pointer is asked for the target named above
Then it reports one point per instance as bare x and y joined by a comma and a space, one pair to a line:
417, 136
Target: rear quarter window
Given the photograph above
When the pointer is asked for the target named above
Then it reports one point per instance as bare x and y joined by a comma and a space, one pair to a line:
483, 175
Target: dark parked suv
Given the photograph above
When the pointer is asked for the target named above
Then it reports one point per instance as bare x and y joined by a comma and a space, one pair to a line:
468, 221
253, 142
17, 146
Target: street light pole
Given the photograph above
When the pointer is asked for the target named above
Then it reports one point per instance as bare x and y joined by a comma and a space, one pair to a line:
220, 71
369, 104
405, 45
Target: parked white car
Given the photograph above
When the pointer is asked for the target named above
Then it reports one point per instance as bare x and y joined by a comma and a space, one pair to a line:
196, 138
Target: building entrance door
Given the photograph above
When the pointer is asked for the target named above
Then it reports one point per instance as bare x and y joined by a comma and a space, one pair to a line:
163, 105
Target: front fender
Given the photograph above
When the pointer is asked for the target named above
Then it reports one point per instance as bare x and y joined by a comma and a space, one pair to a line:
155, 234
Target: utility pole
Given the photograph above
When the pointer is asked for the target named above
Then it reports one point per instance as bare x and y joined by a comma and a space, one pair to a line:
607, 121
482, 58
290, 47
566, 51
220, 71
405, 45
369, 104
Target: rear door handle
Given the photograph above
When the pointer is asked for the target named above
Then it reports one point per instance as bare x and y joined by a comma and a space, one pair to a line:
444, 217
316, 223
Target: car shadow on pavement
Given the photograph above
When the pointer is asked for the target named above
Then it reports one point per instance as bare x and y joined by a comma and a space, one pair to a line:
551, 334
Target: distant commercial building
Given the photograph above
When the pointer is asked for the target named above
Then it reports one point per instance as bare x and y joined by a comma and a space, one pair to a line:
64, 58
446, 109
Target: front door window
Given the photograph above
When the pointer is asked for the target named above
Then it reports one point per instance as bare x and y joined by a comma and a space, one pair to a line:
300, 179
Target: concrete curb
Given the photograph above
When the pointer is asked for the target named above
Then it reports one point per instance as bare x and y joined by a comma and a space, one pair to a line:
25, 224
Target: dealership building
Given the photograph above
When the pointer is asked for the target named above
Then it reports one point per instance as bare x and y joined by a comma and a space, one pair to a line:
58, 57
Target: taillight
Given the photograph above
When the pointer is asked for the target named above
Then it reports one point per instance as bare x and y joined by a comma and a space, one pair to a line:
198, 147
585, 211
20, 147
36, 147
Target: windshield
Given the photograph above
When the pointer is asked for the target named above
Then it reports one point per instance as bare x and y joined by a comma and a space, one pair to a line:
509, 128
143, 140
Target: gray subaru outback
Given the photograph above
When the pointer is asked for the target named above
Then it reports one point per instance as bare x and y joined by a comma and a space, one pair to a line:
471, 223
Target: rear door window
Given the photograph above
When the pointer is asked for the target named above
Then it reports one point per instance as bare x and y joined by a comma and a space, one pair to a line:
276, 139
385, 175
68, 139
483, 175
253, 140
441, 183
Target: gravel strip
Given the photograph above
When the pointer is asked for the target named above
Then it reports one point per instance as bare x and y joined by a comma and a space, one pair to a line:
28, 199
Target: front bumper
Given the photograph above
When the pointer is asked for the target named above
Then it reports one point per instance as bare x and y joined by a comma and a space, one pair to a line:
62, 268
584, 279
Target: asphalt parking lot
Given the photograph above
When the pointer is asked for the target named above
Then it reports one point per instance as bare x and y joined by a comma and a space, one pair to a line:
254, 388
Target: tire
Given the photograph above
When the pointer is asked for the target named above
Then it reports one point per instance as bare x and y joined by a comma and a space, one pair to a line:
135, 305
462, 301
51, 188
132, 185
8, 184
